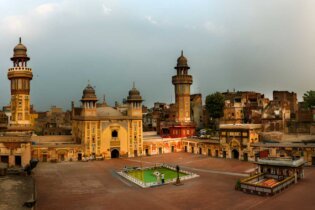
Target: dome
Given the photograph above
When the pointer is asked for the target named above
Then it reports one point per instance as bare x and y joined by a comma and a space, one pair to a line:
89, 94
182, 61
108, 112
20, 51
134, 94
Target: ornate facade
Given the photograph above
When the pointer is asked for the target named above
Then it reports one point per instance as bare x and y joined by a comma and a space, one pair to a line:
106, 132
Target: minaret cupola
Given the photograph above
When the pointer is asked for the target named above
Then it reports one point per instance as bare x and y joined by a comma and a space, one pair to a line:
88, 101
20, 57
134, 100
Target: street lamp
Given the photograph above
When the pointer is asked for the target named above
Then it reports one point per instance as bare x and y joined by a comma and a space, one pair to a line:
177, 180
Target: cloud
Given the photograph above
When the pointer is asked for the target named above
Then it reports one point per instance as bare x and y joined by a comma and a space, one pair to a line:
212, 28
12, 23
151, 20
27, 22
45, 9
106, 9
247, 46
190, 27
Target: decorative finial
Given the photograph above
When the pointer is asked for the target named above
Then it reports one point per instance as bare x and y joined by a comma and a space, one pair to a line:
20, 40
104, 98
88, 81
133, 85
182, 52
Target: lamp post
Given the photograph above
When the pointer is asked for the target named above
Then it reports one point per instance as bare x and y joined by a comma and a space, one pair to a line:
177, 180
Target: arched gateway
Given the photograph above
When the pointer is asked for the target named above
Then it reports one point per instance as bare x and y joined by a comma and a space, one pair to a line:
115, 153
235, 154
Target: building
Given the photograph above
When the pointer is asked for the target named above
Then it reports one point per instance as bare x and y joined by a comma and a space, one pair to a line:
280, 111
288, 149
15, 150
196, 110
235, 140
53, 122
243, 107
103, 131
303, 120
286, 99
154, 144
55, 148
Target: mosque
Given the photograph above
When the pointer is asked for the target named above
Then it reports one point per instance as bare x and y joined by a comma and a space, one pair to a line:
100, 131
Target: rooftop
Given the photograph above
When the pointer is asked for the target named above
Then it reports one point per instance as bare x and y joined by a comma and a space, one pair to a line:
107, 111
275, 161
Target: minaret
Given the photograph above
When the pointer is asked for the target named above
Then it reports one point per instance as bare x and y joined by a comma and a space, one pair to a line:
134, 101
182, 81
20, 76
135, 141
182, 125
89, 100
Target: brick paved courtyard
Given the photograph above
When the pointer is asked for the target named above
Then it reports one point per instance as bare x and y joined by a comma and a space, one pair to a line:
95, 185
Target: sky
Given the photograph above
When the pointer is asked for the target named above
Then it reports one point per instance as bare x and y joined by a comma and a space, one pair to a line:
244, 45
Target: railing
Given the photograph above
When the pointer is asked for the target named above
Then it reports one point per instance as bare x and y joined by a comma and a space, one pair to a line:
143, 184
20, 69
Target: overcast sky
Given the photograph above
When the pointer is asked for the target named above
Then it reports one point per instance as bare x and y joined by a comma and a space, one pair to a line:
258, 45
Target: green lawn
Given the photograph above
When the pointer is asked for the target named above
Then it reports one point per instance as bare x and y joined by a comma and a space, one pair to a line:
148, 176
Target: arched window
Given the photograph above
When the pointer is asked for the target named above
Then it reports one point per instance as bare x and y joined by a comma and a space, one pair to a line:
114, 134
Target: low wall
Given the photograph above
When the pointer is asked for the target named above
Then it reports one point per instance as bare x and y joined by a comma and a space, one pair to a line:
248, 187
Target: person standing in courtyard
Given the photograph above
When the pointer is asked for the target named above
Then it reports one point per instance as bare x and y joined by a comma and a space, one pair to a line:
162, 177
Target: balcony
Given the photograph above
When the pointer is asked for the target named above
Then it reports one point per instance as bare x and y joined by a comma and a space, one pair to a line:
182, 79
20, 69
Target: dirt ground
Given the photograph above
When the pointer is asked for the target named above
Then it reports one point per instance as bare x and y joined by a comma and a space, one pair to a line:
14, 191
95, 185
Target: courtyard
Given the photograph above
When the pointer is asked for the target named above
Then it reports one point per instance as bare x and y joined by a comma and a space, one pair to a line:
96, 185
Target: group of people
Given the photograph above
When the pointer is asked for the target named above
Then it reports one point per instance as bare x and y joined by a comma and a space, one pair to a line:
160, 178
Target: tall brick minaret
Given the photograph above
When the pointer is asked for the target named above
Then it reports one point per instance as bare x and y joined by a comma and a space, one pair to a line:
20, 76
183, 126
182, 81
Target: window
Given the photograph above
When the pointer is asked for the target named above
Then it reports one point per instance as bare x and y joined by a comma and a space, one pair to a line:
114, 134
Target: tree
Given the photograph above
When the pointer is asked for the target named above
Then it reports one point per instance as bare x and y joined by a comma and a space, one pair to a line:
309, 98
215, 105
